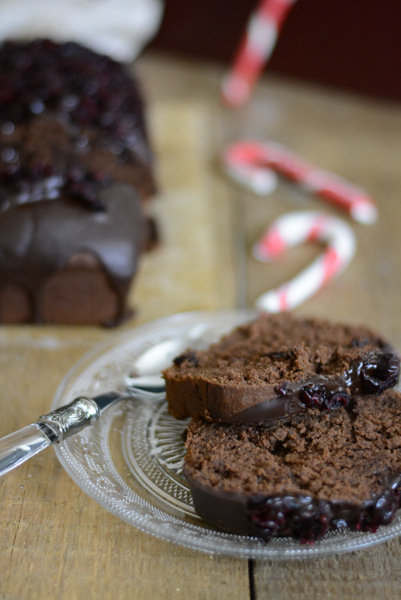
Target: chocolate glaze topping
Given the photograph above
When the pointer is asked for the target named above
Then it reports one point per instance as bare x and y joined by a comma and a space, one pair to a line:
38, 239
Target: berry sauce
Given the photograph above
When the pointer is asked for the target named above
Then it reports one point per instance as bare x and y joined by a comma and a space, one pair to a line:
46, 182
373, 374
83, 88
308, 520
90, 95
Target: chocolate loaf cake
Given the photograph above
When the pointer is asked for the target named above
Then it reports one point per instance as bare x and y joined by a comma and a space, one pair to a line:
277, 366
303, 477
76, 174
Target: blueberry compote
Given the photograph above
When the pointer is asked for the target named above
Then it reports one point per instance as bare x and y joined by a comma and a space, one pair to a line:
372, 374
47, 182
299, 516
83, 88
91, 97
308, 520
318, 396
379, 372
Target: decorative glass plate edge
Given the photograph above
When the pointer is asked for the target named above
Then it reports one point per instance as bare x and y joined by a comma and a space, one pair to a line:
160, 524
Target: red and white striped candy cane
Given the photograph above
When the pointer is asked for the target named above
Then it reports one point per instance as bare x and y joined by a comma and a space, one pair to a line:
296, 228
247, 161
260, 181
255, 50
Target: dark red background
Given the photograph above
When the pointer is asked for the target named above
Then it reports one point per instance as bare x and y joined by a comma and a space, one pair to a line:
351, 44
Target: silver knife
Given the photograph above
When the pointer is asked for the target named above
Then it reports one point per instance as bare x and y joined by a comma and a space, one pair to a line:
56, 426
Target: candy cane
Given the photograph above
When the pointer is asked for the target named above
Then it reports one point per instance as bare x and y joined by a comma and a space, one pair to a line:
260, 181
296, 228
247, 162
255, 50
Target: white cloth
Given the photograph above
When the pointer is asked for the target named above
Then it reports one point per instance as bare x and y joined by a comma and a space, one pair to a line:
118, 28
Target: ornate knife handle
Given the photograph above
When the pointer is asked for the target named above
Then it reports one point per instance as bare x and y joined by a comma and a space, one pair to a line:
72, 417
54, 427
61, 423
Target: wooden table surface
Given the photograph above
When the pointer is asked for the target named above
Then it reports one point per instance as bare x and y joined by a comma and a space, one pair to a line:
57, 542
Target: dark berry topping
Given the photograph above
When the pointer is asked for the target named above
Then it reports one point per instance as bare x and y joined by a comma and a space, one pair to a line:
379, 372
318, 396
308, 520
80, 86
338, 400
301, 517
271, 515
91, 98
382, 512
282, 389
313, 396
26, 185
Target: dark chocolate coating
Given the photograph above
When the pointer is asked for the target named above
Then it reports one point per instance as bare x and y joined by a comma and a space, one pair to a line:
37, 240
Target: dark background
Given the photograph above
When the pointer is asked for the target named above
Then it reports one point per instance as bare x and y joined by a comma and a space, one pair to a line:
349, 44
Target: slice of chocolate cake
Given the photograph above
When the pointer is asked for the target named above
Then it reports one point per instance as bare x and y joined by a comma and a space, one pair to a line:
76, 173
302, 477
277, 366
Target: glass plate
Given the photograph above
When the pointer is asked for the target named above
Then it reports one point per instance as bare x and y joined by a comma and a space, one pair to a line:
130, 461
